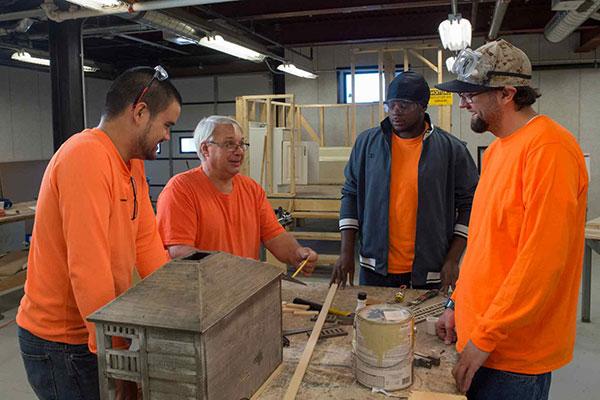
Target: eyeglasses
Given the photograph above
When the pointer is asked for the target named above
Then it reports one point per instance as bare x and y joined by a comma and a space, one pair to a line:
159, 74
135, 202
402, 106
231, 146
468, 97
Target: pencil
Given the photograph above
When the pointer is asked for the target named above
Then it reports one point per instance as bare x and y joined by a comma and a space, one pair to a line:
300, 267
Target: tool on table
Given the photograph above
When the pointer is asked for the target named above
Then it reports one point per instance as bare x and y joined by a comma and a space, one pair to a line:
422, 363
332, 332
329, 319
399, 296
283, 217
432, 359
300, 267
317, 306
292, 279
421, 313
424, 297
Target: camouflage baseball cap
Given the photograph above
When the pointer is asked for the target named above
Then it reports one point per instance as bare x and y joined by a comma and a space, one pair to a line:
495, 64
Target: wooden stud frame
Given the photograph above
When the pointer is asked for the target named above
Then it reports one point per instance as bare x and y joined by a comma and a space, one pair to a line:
384, 53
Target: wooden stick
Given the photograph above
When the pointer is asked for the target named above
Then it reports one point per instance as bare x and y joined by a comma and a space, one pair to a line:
292, 389
297, 306
270, 379
306, 312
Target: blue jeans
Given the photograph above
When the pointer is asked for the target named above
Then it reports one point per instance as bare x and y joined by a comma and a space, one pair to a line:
367, 277
58, 371
494, 384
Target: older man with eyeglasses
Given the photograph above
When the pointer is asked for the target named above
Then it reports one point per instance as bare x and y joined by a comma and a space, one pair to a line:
94, 223
214, 208
407, 197
513, 313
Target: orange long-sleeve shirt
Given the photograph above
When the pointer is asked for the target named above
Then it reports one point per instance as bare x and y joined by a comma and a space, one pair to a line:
85, 243
517, 292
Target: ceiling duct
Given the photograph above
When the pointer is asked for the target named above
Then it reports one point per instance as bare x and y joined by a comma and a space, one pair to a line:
499, 11
565, 22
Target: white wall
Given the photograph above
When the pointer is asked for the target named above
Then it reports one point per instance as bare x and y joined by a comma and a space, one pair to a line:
570, 96
26, 114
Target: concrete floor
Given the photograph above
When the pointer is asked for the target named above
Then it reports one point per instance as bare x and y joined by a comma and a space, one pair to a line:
577, 381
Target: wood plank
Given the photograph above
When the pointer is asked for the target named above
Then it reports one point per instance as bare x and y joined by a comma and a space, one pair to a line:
316, 214
329, 236
13, 282
309, 129
13, 262
19, 212
310, 346
593, 224
327, 259
265, 385
317, 205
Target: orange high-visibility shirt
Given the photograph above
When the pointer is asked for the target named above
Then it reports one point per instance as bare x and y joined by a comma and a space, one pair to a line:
404, 200
85, 243
192, 211
517, 291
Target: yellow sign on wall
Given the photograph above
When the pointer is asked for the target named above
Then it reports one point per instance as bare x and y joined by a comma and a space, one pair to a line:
439, 97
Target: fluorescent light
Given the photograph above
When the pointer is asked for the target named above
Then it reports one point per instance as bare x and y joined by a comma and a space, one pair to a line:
218, 43
455, 33
97, 4
292, 69
26, 57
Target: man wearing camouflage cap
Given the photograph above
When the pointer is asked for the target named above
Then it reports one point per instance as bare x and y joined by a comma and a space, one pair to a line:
516, 296
408, 193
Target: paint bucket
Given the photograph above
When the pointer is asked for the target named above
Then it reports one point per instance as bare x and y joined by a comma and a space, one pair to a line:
383, 354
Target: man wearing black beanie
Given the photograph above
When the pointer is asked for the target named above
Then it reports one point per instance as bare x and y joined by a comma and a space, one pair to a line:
408, 193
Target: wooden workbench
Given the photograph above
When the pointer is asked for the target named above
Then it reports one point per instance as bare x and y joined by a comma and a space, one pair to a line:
19, 212
592, 243
330, 375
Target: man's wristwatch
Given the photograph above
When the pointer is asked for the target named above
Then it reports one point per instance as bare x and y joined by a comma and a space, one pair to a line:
449, 304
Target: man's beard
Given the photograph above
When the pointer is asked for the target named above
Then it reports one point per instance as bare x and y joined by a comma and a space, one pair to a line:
146, 149
478, 125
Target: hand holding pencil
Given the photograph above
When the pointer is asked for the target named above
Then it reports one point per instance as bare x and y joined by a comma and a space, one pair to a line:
307, 259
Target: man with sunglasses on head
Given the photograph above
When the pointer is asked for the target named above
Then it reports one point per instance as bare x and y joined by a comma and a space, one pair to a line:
94, 223
214, 208
513, 313
407, 197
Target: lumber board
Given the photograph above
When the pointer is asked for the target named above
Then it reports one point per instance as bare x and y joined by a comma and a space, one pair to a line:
19, 212
316, 214
310, 346
329, 236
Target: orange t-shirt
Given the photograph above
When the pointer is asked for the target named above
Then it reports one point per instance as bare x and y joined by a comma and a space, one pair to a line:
404, 198
85, 244
192, 211
516, 296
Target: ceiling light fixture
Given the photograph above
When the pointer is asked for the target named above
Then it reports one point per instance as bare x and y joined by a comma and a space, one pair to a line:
292, 69
217, 42
455, 33
97, 4
24, 56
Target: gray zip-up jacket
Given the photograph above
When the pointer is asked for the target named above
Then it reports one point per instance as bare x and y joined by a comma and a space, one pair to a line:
447, 179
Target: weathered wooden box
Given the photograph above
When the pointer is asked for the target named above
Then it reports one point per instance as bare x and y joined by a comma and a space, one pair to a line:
204, 327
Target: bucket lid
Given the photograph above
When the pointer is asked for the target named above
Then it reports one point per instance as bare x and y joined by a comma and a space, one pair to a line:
385, 314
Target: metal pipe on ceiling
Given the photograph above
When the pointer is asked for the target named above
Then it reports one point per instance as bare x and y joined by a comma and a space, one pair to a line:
454, 5
474, 9
563, 23
499, 11
35, 13
53, 12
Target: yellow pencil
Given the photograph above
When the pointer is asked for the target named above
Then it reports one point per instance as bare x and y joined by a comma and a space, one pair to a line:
300, 267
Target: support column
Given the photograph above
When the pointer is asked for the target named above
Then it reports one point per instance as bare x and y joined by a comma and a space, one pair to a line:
66, 72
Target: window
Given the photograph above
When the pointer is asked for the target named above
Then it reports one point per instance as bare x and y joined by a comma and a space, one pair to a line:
365, 84
186, 145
